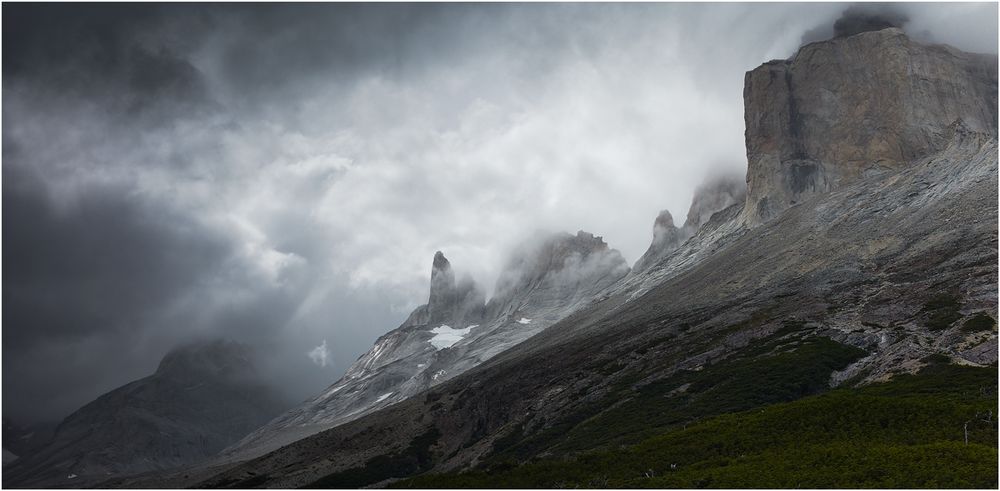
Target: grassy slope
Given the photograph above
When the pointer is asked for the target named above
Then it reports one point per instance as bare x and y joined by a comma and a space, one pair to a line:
904, 433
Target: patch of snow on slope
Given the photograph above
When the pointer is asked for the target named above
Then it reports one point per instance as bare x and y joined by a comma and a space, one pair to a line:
445, 336
383, 397
524, 320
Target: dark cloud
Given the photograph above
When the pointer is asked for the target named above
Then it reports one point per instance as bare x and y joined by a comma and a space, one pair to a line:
69, 272
871, 17
111, 55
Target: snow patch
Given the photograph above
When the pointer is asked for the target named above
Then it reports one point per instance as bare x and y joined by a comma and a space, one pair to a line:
438, 374
71, 476
383, 397
445, 336
524, 320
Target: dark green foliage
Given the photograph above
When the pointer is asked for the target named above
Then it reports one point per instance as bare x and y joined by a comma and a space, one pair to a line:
942, 311
414, 459
774, 370
245, 483
904, 433
936, 359
980, 321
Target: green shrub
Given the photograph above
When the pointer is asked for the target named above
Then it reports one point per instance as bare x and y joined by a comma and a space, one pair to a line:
980, 321
904, 433
414, 459
942, 311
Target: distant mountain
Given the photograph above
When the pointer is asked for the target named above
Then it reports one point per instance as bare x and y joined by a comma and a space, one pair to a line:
865, 250
202, 397
22, 441
544, 281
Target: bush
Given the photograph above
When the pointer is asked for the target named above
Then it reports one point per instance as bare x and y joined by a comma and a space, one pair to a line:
942, 311
904, 433
980, 321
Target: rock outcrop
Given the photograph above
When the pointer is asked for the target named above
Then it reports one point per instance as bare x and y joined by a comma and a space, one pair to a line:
202, 398
667, 237
712, 196
449, 302
855, 106
555, 273
544, 281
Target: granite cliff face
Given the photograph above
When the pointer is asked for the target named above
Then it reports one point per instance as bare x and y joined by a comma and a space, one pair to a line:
202, 397
545, 280
855, 106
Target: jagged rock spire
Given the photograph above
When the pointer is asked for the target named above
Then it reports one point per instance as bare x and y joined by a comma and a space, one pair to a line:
441, 303
666, 238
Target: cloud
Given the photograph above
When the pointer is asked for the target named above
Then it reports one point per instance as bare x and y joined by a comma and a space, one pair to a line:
319, 354
284, 173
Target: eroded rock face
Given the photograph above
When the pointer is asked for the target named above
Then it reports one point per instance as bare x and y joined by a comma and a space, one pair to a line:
854, 106
559, 271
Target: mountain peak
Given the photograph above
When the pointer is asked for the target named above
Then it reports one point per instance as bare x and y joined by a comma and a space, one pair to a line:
217, 357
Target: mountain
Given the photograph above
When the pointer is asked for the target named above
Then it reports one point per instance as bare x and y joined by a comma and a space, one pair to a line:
202, 397
865, 252
544, 280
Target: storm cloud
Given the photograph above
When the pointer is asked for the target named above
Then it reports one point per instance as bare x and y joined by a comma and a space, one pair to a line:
282, 174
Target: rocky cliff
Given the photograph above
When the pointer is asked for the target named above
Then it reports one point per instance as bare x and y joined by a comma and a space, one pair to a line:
855, 106
202, 397
544, 280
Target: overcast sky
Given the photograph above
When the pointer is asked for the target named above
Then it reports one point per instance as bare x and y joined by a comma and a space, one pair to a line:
282, 174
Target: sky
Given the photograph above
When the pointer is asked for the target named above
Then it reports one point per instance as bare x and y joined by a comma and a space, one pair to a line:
283, 174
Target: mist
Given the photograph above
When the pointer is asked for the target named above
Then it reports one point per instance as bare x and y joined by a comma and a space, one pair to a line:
283, 174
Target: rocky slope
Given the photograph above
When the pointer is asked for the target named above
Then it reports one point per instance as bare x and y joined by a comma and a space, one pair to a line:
544, 281
202, 397
886, 260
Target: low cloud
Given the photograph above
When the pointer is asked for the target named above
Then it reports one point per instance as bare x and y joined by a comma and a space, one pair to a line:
319, 354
